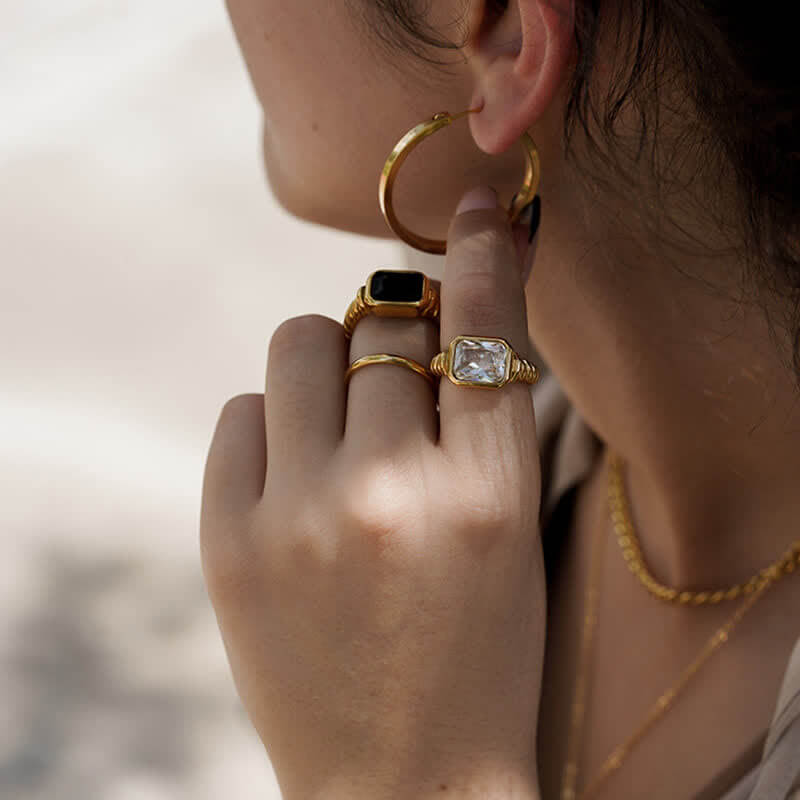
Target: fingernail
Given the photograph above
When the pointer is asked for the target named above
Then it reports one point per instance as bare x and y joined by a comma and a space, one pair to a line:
536, 217
482, 197
528, 268
533, 215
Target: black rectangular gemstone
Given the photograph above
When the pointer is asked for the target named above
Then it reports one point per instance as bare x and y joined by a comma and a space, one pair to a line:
396, 287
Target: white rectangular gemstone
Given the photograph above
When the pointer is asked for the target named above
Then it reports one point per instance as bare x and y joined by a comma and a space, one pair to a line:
479, 361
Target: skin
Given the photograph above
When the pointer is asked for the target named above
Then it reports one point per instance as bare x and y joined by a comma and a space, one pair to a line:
652, 333
380, 586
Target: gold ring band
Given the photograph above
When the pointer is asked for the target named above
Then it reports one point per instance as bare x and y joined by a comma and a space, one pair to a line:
486, 362
393, 293
389, 358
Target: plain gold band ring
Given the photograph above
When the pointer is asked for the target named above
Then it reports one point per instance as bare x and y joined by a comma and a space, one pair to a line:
389, 358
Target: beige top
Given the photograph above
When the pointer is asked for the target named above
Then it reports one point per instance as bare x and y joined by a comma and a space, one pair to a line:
568, 449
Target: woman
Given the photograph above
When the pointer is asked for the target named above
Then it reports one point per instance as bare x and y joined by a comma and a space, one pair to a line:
376, 566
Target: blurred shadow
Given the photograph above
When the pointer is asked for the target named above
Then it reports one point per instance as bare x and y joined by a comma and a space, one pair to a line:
88, 708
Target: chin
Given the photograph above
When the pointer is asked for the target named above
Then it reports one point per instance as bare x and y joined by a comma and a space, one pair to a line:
294, 198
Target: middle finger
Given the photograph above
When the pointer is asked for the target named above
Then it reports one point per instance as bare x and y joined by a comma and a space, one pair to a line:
391, 406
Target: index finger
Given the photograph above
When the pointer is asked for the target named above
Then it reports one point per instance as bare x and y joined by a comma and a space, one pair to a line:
483, 295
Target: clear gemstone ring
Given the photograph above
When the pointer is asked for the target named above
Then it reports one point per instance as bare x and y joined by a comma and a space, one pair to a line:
484, 361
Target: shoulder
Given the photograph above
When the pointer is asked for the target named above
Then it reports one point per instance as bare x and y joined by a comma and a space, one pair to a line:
779, 773
777, 776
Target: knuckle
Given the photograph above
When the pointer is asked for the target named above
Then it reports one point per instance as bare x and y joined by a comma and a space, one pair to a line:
476, 299
483, 513
370, 516
378, 507
295, 403
483, 243
239, 409
309, 546
303, 332
309, 552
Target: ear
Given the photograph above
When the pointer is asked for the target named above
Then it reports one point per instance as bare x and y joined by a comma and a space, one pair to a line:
521, 52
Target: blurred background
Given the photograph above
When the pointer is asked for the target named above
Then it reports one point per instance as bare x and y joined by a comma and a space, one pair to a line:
144, 269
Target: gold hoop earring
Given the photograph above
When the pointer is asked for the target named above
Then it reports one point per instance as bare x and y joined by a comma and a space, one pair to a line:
403, 148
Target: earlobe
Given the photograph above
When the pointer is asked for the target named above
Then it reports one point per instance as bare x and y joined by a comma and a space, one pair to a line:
520, 59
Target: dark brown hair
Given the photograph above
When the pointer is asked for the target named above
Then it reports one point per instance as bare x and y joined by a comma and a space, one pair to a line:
737, 69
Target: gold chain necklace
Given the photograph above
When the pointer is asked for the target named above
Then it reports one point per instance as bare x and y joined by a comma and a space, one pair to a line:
633, 557
632, 553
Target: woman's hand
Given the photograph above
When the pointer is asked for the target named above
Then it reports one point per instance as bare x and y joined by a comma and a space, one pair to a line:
376, 566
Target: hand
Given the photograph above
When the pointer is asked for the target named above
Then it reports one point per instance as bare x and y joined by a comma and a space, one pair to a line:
376, 567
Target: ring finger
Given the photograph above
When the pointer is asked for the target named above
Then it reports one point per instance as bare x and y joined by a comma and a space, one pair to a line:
391, 406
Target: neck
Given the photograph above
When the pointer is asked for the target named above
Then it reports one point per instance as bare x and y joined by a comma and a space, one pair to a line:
713, 465
689, 388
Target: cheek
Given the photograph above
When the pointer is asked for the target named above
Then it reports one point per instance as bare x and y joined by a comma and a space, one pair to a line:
324, 109
275, 40
334, 107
